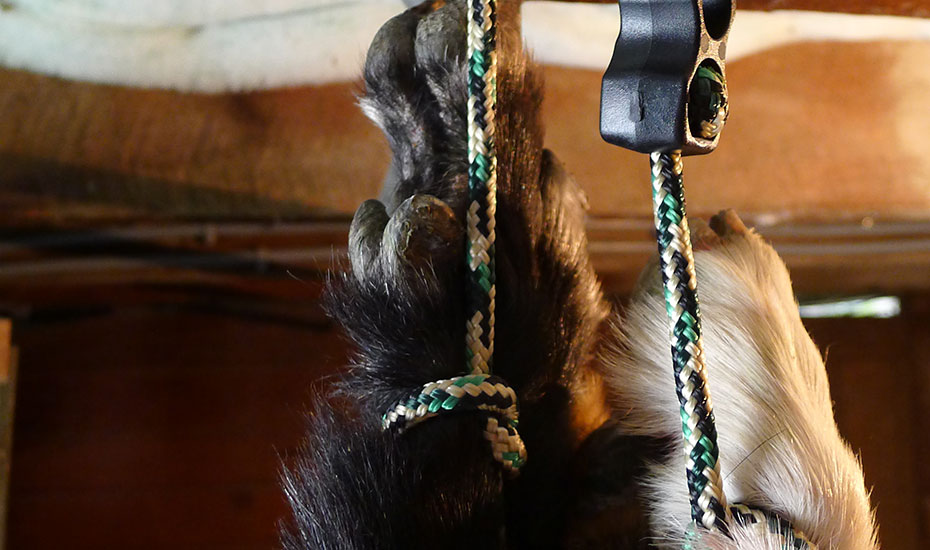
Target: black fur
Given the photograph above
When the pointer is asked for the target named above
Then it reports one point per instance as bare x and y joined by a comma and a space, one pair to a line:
402, 305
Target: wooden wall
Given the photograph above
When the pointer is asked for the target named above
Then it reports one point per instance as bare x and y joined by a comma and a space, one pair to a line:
829, 164
159, 430
817, 131
160, 254
150, 429
915, 8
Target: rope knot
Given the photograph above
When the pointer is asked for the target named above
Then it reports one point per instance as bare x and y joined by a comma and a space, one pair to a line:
483, 393
766, 521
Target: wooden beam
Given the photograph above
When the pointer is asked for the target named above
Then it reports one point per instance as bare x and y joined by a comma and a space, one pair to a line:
86, 154
172, 425
277, 270
913, 8
916, 8
920, 344
7, 401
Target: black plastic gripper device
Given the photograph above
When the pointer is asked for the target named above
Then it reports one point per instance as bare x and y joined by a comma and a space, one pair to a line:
665, 87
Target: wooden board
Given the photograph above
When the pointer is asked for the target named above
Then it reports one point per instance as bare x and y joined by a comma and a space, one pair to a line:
276, 270
873, 366
914, 8
76, 151
151, 430
7, 406
832, 169
159, 430
805, 141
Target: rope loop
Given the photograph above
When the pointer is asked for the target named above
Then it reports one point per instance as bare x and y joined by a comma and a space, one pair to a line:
765, 521
471, 393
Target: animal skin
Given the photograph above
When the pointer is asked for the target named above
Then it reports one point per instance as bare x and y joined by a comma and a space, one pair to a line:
401, 304
589, 482
779, 445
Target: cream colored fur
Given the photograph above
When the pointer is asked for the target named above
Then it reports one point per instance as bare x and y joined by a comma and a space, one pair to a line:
779, 444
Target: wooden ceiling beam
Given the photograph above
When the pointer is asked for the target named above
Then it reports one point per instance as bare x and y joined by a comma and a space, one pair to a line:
912, 8
273, 268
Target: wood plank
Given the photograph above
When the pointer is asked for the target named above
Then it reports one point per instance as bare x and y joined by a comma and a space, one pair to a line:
913, 8
114, 152
155, 430
920, 343
802, 143
875, 374
264, 269
158, 430
815, 145
241, 517
7, 408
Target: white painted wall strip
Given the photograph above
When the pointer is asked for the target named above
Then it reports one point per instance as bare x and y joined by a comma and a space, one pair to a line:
220, 45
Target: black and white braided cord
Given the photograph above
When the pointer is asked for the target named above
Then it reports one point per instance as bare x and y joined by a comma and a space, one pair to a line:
480, 220
482, 186
681, 303
478, 390
790, 538
676, 259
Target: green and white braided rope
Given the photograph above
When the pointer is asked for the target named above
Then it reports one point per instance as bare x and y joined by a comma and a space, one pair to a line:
479, 390
676, 259
482, 186
475, 392
708, 105
681, 303
480, 221
790, 538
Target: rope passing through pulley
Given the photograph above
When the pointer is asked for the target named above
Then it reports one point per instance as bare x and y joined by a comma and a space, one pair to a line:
478, 390
664, 93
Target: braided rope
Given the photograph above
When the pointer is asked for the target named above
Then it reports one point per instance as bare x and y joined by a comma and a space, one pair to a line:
708, 106
790, 538
676, 258
681, 303
476, 392
482, 186
480, 220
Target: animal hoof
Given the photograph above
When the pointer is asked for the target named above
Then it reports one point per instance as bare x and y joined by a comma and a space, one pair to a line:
727, 224
422, 232
702, 236
365, 239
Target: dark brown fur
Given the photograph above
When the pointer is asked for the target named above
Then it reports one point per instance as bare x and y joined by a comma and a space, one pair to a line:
402, 306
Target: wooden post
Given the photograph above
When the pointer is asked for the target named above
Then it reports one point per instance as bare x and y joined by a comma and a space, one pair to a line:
7, 400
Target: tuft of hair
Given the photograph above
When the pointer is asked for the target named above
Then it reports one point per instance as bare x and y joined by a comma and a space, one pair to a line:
402, 305
779, 445
356, 487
